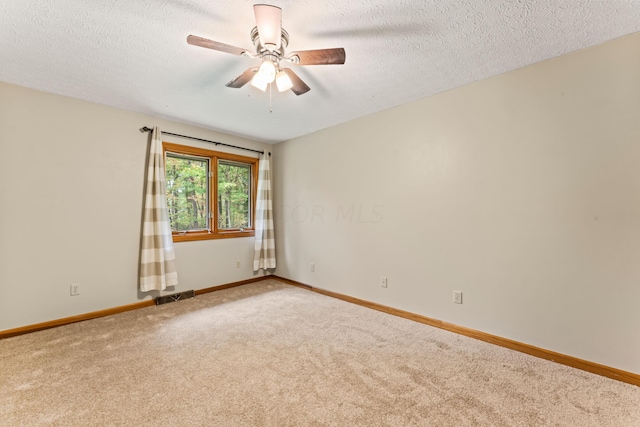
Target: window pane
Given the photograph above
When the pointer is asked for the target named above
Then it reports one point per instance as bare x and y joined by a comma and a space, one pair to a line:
187, 192
234, 195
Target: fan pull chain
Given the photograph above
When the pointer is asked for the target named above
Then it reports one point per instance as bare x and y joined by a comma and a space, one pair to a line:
270, 107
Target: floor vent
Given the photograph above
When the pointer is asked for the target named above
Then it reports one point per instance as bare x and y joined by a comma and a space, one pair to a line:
175, 297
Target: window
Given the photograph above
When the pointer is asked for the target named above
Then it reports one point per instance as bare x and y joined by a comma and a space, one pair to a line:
234, 195
210, 195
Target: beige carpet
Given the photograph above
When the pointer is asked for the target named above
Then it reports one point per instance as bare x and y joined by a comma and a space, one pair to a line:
269, 354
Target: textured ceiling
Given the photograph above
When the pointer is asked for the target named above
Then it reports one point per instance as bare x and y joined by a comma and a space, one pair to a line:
133, 54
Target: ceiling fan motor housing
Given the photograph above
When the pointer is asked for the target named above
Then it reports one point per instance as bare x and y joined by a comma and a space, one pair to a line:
260, 49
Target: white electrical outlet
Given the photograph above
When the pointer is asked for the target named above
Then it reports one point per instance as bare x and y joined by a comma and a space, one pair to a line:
312, 267
457, 297
237, 264
383, 282
74, 289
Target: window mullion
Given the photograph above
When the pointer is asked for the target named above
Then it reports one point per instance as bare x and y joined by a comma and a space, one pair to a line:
213, 202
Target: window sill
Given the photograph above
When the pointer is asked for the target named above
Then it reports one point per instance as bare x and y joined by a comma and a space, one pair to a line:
189, 237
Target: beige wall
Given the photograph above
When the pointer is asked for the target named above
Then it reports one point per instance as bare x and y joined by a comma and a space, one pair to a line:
522, 191
71, 178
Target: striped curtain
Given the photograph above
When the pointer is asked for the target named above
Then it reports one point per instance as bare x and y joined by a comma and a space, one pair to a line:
157, 258
265, 249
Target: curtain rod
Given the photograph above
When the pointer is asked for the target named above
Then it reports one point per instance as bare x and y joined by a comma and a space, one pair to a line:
148, 129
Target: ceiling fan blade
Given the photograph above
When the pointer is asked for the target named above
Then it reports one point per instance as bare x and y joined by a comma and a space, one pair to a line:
320, 56
269, 23
299, 87
243, 78
210, 44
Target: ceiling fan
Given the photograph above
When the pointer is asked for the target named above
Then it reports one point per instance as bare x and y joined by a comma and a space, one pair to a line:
270, 41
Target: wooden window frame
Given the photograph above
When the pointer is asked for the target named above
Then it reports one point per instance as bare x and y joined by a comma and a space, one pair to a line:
214, 157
